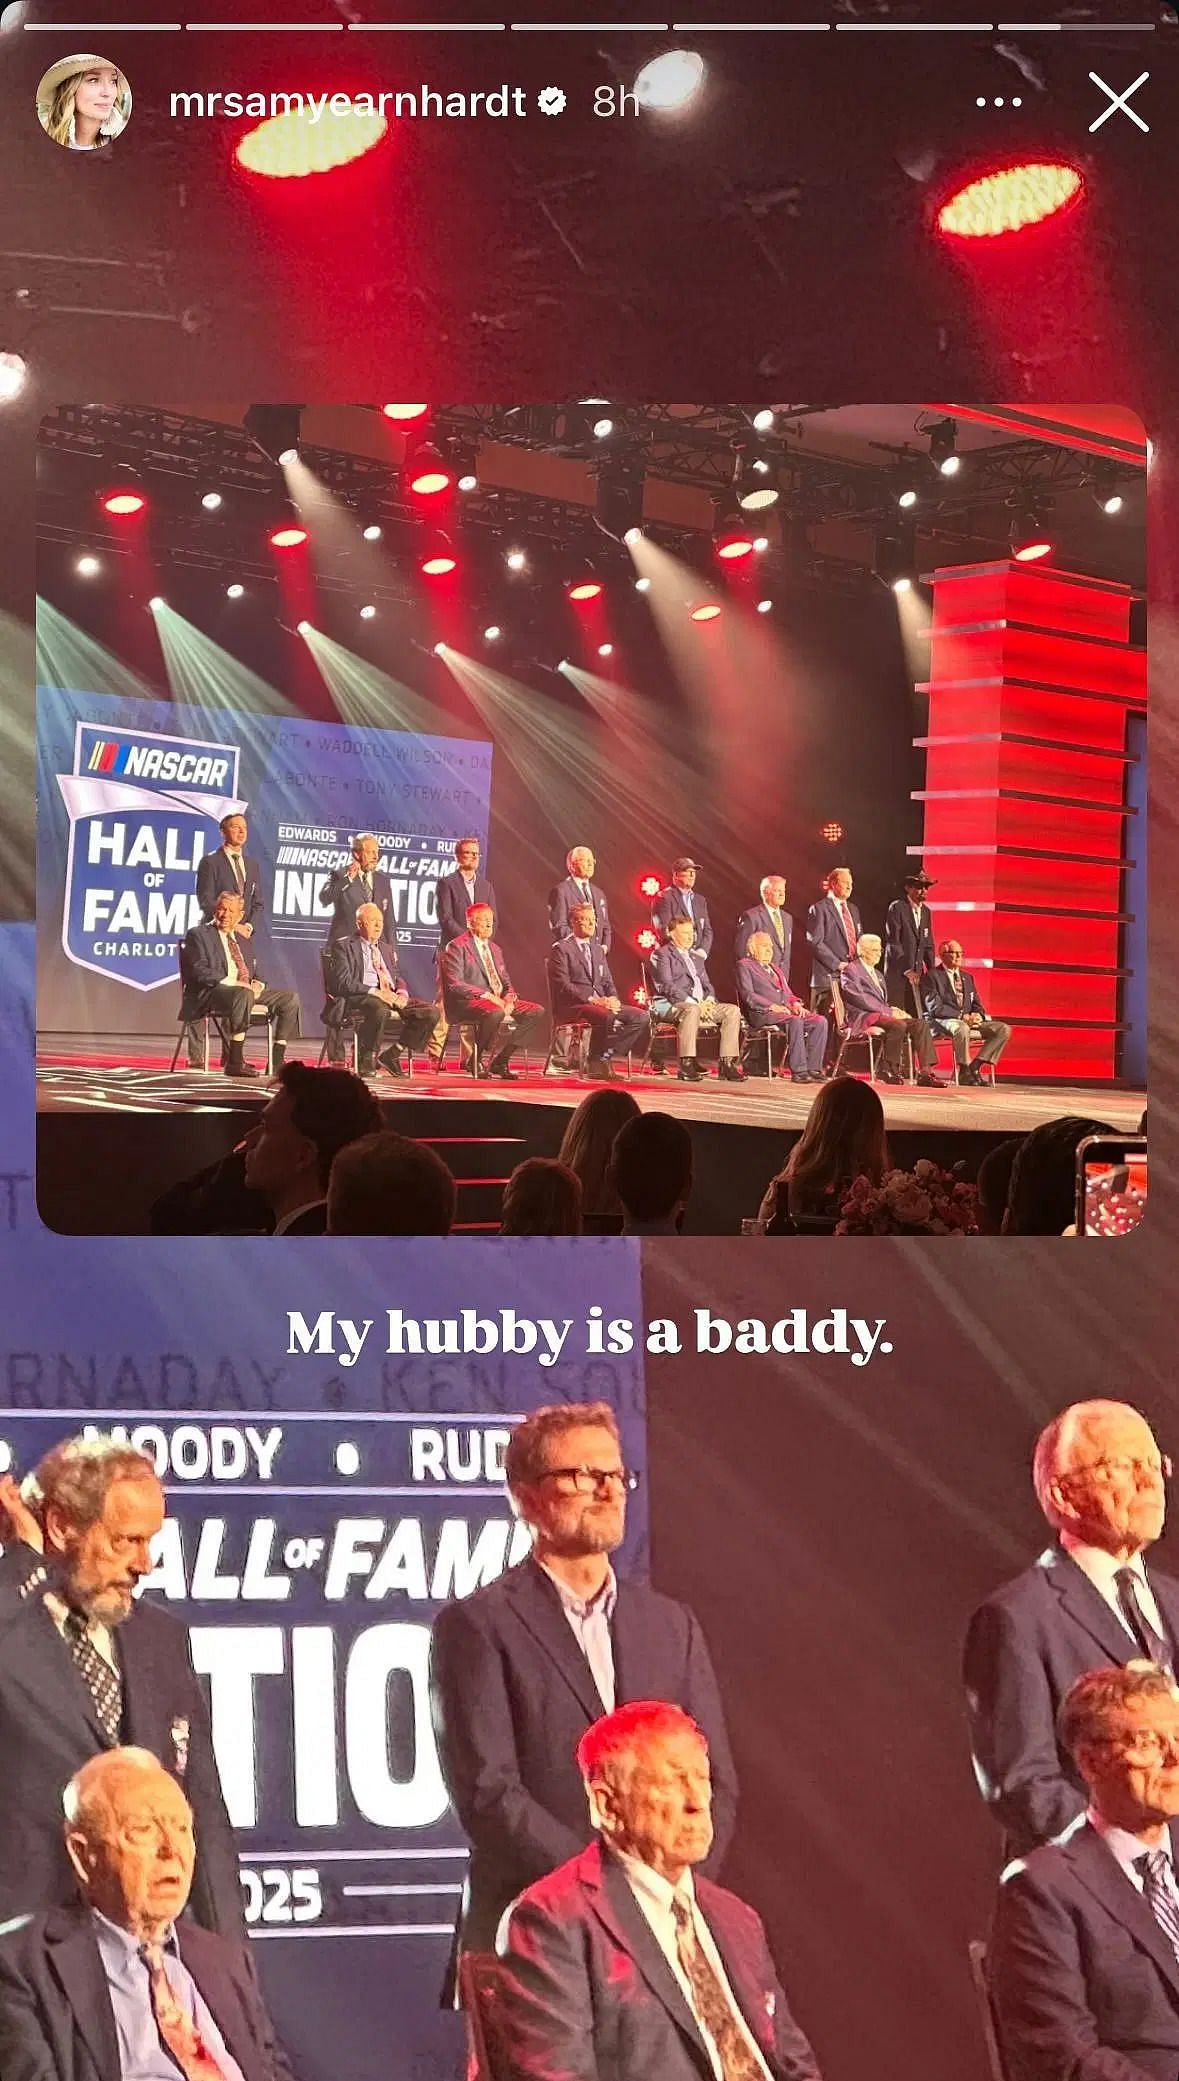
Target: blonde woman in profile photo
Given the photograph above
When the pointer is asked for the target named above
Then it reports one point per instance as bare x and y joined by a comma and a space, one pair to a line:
83, 102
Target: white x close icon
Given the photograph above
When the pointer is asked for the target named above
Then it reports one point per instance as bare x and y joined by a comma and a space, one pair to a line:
1118, 101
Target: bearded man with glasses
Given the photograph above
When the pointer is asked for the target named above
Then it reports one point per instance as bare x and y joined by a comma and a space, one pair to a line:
1088, 1601
521, 1668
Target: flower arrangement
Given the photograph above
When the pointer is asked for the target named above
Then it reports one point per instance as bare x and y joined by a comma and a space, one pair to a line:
926, 1201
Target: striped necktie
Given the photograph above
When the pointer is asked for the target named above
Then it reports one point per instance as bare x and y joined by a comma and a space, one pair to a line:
1151, 1642
1158, 1887
103, 1683
177, 2029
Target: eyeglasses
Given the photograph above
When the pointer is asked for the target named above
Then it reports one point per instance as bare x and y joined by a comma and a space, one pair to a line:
1138, 1471
1145, 1744
586, 1481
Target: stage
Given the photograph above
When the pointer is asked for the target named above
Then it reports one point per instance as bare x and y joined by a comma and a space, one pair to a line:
113, 1130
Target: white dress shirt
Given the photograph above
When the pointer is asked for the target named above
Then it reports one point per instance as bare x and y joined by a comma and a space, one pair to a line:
98, 1635
1128, 1848
589, 1620
1101, 1569
655, 1895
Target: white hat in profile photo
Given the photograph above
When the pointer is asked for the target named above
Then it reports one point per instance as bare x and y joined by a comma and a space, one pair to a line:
83, 101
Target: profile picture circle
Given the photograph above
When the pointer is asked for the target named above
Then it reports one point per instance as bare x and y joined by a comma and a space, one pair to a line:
83, 102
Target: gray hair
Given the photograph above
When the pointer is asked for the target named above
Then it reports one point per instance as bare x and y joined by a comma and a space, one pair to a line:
373, 908
765, 881
759, 939
868, 939
86, 1799
1057, 1441
362, 838
571, 855
77, 1475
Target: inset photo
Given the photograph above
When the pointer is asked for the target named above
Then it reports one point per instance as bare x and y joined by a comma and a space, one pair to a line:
83, 102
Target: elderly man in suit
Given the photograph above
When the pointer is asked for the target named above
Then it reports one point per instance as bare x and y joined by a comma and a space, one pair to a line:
522, 1667
770, 915
577, 888
683, 900
768, 1001
684, 993
1088, 1600
623, 1965
954, 1006
367, 989
116, 1987
361, 881
230, 871
456, 893
220, 976
908, 943
582, 987
867, 1005
477, 990
1084, 1957
84, 1667
833, 931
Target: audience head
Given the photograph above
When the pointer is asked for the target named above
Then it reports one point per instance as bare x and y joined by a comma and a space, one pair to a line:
311, 1117
773, 891
651, 1167
466, 854
683, 873
227, 911
383, 1184
565, 1478
129, 1837
580, 863
542, 1198
480, 920
681, 932
994, 1184
233, 829
843, 1139
1121, 1728
761, 947
583, 920
868, 947
589, 1141
1099, 1476
1043, 1195
645, 1771
100, 1505
370, 921
839, 882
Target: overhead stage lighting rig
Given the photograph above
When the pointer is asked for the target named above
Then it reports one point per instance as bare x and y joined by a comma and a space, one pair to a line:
274, 429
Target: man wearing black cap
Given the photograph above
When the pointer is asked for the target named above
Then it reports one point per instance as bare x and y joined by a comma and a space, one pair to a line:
682, 901
909, 955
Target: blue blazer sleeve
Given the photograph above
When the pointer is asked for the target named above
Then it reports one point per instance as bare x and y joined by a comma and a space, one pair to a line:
1011, 1716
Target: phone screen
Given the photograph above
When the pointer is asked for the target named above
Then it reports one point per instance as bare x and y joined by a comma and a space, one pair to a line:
1113, 1179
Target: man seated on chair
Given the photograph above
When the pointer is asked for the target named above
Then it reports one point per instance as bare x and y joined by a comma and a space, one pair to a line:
222, 972
367, 990
477, 991
1083, 1963
954, 1007
121, 1985
583, 990
867, 1007
622, 1962
769, 1002
684, 994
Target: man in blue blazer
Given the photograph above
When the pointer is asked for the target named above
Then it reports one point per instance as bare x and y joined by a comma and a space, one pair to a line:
367, 989
219, 974
361, 881
1099, 1481
582, 987
770, 915
577, 888
832, 930
1084, 1955
681, 900
616, 1965
522, 1667
954, 1006
684, 994
456, 893
768, 1000
231, 870
867, 1006
477, 990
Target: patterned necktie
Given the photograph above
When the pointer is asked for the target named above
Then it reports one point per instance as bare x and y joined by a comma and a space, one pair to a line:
103, 1683
177, 2030
489, 968
956, 980
1153, 1645
243, 973
367, 882
713, 2007
1158, 1887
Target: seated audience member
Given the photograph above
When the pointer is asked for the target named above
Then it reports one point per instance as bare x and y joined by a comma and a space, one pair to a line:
582, 987
224, 981
623, 1962
953, 1006
477, 991
385, 1185
1083, 1968
843, 1140
542, 1198
121, 1985
685, 995
368, 990
867, 1006
587, 1146
768, 1000
290, 1153
651, 1171
994, 1183
770, 915
1042, 1199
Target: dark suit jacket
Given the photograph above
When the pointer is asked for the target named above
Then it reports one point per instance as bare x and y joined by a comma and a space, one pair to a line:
1024, 1647
215, 877
570, 987
1084, 1981
462, 974
346, 966
204, 960
907, 944
940, 1001
347, 897
828, 940
671, 905
56, 2019
512, 1696
453, 902
587, 1994
861, 1000
49, 1728
672, 971
758, 988
759, 920
566, 897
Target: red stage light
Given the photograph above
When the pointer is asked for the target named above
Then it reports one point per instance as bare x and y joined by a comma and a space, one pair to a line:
287, 537
1009, 200
1031, 552
402, 413
708, 612
651, 885
429, 472
586, 589
646, 940
123, 502
831, 834
733, 546
297, 143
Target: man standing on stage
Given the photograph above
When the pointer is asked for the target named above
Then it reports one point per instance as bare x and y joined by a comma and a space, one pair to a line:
457, 891
361, 881
770, 915
477, 990
577, 888
682, 901
833, 930
908, 944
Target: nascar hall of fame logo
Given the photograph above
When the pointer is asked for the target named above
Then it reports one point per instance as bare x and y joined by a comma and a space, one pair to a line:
143, 810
